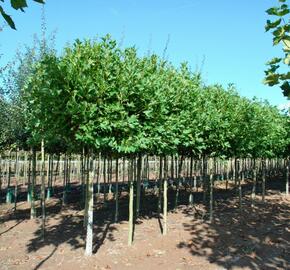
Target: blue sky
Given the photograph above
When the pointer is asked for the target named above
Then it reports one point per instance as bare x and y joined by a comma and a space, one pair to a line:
226, 39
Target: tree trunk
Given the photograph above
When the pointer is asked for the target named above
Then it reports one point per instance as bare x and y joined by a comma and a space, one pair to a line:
1, 173
32, 208
287, 179
138, 199
48, 173
105, 181
131, 202
64, 194
179, 168
211, 196
160, 187
87, 202
240, 190
42, 189
16, 178
9, 193
253, 194
117, 192
90, 212
263, 180
191, 180
164, 232
29, 179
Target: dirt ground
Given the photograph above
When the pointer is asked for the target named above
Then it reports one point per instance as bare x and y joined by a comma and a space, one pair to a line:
256, 238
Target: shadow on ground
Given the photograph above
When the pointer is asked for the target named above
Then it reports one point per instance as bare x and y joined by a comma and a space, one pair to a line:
256, 238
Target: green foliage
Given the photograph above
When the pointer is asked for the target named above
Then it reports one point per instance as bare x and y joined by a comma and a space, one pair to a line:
14, 128
107, 99
280, 28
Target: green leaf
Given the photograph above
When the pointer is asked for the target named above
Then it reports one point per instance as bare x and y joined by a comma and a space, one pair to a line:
286, 88
284, 11
271, 25
7, 18
272, 11
287, 60
272, 79
274, 61
19, 4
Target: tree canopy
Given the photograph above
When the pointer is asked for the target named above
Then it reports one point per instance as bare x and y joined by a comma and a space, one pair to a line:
108, 99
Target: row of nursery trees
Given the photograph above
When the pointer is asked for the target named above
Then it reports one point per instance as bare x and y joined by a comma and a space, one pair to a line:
100, 99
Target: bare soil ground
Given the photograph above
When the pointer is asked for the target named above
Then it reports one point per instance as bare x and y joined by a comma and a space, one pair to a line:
256, 238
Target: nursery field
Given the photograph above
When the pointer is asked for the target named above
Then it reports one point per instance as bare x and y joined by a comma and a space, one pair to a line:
112, 160
257, 237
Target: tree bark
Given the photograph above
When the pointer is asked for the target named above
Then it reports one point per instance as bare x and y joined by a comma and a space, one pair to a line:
42, 189
138, 199
160, 186
32, 208
263, 180
117, 192
287, 179
165, 197
253, 194
131, 202
90, 212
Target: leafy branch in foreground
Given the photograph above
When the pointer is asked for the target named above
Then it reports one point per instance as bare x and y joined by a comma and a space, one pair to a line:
280, 30
17, 5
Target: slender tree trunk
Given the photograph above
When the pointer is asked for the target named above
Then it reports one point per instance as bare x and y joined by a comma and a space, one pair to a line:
239, 187
172, 167
29, 179
56, 172
48, 176
138, 199
124, 170
99, 175
253, 194
190, 176
90, 211
165, 196
287, 179
117, 192
87, 202
263, 180
160, 186
83, 176
227, 174
211, 196
1, 174
105, 181
179, 168
24, 169
110, 175
32, 208
9, 193
43, 188
204, 179
16, 178
131, 202
64, 194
